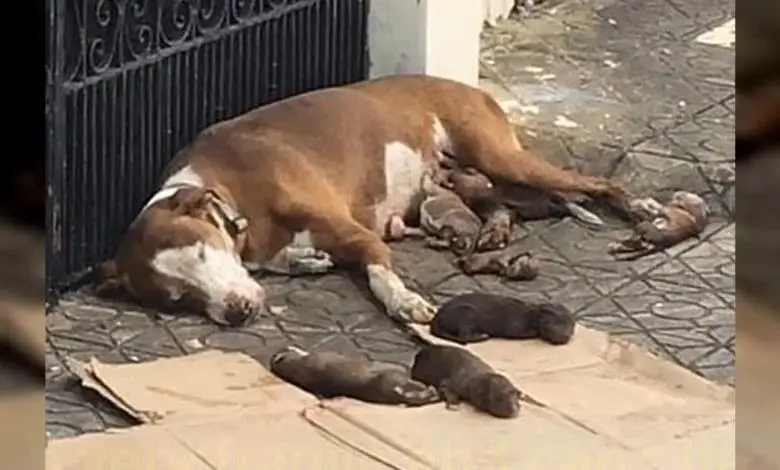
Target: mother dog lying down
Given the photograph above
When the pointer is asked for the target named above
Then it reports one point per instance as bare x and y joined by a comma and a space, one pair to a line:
311, 181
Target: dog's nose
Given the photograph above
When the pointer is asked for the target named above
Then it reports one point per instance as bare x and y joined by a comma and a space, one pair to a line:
242, 311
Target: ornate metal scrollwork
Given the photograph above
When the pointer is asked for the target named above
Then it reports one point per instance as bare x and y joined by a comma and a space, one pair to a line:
102, 32
73, 40
140, 28
211, 16
176, 21
243, 10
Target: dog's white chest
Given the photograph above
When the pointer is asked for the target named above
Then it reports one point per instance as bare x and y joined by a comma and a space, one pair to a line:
404, 169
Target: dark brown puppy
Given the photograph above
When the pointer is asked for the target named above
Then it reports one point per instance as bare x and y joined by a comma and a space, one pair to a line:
514, 266
330, 375
459, 375
478, 316
685, 216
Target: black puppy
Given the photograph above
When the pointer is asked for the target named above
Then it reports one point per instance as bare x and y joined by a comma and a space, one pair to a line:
330, 375
476, 317
459, 375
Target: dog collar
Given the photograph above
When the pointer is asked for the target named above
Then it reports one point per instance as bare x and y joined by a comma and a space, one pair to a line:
236, 224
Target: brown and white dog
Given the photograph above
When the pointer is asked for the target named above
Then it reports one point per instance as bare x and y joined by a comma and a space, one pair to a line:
312, 180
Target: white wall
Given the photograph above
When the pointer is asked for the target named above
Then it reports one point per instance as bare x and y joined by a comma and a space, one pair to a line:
434, 37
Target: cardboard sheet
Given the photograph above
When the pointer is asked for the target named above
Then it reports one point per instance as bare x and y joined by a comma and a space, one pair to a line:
607, 405
22, 436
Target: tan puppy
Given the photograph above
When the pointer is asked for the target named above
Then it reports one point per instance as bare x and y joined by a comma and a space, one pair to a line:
313, 176
684, 217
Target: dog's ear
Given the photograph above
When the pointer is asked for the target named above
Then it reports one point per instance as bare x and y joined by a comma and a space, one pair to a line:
190, 201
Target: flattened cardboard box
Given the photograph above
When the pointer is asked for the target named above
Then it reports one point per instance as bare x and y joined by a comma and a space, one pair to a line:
212, 410
609, 406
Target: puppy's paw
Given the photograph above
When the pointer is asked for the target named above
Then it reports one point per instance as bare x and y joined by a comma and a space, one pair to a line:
452, 406
414, 393
411, 307
496, 233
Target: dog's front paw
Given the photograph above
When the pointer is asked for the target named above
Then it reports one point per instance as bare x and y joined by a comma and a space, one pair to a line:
411, 307
414, 393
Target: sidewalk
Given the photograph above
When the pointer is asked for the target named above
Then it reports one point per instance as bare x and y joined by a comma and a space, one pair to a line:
656, 119
605, 405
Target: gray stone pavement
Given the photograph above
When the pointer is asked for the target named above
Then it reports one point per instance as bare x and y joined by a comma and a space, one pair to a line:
611, 87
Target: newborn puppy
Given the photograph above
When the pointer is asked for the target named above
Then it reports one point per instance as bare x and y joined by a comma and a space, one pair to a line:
685, 216
478, 316
517, 267
459, 376
330, 375
445, 219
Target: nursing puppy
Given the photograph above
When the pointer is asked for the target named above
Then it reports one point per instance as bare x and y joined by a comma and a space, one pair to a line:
686, 216
444, 217
331, 375
476, 317
459, 375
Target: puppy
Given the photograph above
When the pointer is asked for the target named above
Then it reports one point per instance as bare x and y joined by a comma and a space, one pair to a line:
661, 227
476, 317
517, 267
459, 375
445, 219
330, 375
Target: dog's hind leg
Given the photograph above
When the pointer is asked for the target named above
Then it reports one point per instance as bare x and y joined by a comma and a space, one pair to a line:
493, 148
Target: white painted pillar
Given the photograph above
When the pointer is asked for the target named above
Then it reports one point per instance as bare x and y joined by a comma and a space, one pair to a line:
434, 37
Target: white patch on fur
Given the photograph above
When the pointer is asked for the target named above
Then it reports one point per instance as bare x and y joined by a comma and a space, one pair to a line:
398, 300
302, 240
186, 176
441, 139
404, 169
214, 272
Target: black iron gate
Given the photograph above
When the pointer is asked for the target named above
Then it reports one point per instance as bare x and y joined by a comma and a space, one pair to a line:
131, 81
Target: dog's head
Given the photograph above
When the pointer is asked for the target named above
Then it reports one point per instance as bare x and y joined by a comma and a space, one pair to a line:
691, 203
556, 323
460, 243
470, 184
497, 394
184, 251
